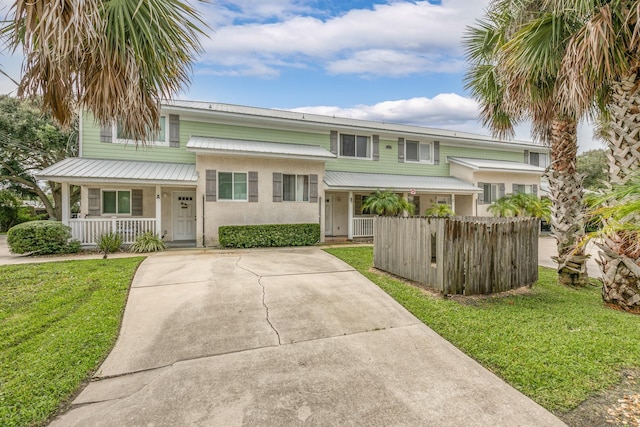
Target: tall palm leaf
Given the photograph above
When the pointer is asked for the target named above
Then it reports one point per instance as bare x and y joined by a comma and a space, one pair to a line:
116, 58
515, 55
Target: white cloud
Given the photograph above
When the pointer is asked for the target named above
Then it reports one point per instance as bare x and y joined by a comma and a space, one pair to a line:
445, 110
419, 35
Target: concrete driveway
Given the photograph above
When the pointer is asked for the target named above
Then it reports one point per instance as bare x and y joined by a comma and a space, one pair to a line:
283, 337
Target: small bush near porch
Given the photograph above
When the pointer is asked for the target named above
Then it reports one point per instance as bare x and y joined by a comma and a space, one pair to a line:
269, 235
557, 345
58, 321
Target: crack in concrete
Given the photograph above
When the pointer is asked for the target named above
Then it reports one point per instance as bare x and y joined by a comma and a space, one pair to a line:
264, 296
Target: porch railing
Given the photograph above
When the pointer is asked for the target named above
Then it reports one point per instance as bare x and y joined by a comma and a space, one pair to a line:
363, 226
88, 230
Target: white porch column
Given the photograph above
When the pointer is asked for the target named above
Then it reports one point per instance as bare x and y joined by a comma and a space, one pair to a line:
350, 217
158, 211
66, 203
453, 202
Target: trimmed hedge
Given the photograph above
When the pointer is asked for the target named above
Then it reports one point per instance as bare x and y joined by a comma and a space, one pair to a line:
41, 238
268, 235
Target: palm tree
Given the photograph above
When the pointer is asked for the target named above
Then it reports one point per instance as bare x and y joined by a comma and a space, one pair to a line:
523, 205
440, 210
619, 243
115, 58
602, 64
387, 203
515, 55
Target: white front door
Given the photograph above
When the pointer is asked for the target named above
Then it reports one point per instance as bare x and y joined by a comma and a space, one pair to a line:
184, 215
328, 214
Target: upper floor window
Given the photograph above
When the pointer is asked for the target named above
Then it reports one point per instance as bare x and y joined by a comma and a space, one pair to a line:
160, 137
295, 188
537, 159
116, 202
418, 151
232, 186
167, 136
357, 146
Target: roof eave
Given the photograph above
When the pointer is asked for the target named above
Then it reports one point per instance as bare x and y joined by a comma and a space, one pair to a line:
235, 153
85, 180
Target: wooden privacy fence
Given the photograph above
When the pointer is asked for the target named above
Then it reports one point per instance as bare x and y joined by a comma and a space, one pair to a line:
461, 255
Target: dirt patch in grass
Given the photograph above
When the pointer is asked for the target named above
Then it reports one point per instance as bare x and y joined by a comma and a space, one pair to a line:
617, 406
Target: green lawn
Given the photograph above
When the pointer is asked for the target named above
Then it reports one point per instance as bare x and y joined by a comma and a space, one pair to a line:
58, 321
556, 345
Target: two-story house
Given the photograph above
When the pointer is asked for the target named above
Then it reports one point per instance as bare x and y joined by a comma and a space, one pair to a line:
218, 164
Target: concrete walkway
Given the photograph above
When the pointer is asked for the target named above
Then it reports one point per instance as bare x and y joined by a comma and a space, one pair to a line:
283, 337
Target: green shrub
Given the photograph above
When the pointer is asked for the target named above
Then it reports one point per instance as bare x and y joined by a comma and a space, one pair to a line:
108, 243
147, 242
269, 235
41, 238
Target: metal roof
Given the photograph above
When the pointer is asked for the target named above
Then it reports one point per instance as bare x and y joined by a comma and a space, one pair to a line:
77, 169
240, 147
302, 117
374, 181
495, 165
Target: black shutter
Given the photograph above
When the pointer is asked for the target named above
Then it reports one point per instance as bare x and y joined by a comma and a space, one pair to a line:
94, 202
481, 195
333, 142
277, 187
416, 203
253, 186
400, 150
174, 130
313, 188
106, 133
211, 187
376, 147
136, 202
436, 152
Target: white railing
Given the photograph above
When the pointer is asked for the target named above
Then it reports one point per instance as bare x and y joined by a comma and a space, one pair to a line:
88, 230
363, 226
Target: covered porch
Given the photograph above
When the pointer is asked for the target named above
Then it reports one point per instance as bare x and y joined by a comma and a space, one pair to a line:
128, 198
346, 191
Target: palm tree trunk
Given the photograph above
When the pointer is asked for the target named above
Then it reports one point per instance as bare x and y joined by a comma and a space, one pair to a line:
620, 274
619, 265
567, 210
623, 130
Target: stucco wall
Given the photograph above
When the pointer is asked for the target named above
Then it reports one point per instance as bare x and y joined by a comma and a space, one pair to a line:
265, 210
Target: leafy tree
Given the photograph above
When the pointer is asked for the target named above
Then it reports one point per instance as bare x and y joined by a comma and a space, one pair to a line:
440, 210
593, 165
30, 141
515, 57
523, 205
387, 203
115, 58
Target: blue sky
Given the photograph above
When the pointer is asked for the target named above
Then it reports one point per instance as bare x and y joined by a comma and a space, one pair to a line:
393, 61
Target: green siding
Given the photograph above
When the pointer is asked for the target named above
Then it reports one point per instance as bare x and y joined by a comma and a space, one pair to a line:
388, 163
191, 128
93, 148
